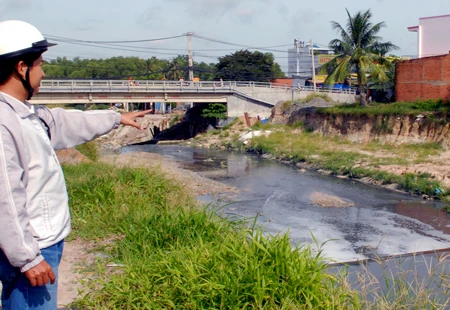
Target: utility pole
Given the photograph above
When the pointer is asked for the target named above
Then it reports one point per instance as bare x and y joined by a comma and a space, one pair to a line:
297, 46
313, 65
190, 62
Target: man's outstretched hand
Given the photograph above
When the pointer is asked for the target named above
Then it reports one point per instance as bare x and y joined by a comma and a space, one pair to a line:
41, 274
129, 119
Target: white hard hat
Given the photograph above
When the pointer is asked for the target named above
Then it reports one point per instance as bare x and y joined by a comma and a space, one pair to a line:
19, 38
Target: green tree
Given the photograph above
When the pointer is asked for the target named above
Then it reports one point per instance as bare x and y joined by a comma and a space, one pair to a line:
204, 71
215, 111
359, 50
177, 69
248, 66
383, 86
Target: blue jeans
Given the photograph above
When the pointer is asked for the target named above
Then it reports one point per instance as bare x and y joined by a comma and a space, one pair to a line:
18, 294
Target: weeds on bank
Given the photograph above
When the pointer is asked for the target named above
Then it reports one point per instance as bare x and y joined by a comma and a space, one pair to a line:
439, 106
178, 256
330, 153
410, 282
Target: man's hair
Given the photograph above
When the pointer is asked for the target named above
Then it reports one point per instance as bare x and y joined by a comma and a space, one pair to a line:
7, 66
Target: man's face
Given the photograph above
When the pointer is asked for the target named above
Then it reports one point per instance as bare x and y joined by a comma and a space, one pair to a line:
36, 74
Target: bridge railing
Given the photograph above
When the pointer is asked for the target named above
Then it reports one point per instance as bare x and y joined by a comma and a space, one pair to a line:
74, 86
351, 91
148, 85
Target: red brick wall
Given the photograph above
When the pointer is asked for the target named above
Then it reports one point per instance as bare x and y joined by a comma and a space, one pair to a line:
423, 78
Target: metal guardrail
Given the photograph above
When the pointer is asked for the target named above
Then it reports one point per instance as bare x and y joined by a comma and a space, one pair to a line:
351, 91
148, 86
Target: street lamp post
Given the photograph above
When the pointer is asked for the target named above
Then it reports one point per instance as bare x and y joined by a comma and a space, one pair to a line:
313, 69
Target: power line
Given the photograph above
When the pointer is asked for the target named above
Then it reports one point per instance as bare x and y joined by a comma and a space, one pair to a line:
234, 44
121, 49
64, 39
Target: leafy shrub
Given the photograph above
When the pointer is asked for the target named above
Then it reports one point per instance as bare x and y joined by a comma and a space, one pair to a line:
215, 110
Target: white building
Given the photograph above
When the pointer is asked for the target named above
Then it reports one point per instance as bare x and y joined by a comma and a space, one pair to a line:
432, 35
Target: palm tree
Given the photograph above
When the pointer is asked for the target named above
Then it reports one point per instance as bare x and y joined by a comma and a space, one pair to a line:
175, 70
359, 50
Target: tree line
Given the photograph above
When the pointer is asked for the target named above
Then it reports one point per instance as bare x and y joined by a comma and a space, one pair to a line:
242, 65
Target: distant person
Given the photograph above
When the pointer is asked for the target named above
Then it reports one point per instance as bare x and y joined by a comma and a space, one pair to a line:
34, 206
221, 82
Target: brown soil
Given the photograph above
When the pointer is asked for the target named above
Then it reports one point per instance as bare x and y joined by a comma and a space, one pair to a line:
328, 201
75, 257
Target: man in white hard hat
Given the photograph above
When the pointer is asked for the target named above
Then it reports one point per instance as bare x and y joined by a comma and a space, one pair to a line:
34, 213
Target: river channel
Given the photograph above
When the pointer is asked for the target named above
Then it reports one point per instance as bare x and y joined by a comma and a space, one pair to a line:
368, 221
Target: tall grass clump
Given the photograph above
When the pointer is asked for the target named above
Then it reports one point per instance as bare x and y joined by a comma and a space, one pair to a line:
177, 255
411, 282
316, 95
438, 106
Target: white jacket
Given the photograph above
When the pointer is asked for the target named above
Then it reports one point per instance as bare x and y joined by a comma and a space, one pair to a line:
33, 196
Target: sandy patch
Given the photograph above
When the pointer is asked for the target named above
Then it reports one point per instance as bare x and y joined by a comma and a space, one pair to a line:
328, 201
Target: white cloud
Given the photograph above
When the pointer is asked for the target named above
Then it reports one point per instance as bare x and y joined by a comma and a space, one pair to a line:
218, 8
152, 17
88, 24
246, 14
17, 4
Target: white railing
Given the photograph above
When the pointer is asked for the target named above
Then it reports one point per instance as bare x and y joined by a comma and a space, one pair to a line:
148, 86
74, 86
351, 91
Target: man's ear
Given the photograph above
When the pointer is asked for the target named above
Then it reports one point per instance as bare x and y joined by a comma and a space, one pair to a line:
21, 68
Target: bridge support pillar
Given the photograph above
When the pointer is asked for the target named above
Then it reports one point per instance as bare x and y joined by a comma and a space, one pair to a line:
236, 107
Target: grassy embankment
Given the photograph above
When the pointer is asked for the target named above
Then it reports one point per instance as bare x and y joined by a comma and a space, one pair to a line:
297, 144
172, 254
176, 255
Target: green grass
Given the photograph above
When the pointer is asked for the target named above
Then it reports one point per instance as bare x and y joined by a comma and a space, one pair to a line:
434, 107
315, 95
230, 124
329, 153
175, 120
89, 149
179, 256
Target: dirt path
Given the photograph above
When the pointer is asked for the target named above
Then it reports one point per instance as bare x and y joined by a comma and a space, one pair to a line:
74, 257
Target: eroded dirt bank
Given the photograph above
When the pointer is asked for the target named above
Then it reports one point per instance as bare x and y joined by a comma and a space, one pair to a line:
361, 130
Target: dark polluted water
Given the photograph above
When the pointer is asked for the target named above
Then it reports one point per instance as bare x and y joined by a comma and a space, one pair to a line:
371, 222
378, 236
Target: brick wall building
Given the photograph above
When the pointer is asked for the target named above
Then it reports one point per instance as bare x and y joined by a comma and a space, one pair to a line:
423, 78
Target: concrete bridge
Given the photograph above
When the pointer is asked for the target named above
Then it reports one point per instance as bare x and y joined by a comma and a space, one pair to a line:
252, 97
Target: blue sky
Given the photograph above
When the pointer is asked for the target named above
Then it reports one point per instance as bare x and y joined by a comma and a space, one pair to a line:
258, 23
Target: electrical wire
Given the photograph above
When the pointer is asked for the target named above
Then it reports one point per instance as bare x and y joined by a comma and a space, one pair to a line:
105, 42
234, 44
